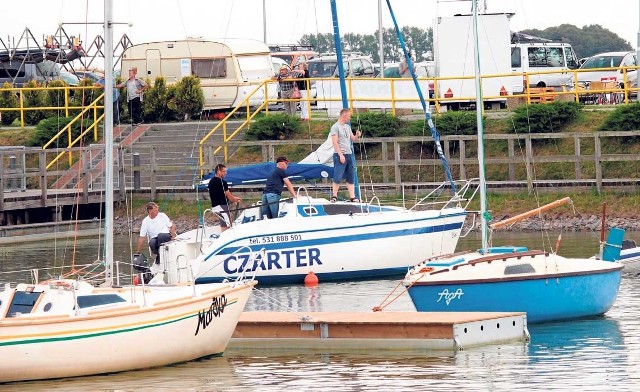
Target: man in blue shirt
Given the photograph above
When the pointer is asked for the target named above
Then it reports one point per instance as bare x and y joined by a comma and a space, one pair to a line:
116, 96
273, 190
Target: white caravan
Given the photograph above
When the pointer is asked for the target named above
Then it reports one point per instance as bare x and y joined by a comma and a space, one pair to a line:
229, 69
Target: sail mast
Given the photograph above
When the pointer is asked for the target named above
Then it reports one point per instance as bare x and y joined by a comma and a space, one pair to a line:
108, 139
479, 108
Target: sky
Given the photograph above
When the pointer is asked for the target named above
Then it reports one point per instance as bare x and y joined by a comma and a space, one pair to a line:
287, 20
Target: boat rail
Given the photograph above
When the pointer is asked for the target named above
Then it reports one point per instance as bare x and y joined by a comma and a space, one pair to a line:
467, 189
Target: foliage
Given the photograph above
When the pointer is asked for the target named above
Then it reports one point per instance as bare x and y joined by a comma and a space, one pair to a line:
624, 118
586, 41
541, 118
49, 127
8, 99
419, 42
273, 127
83, 97
189, 98
155, 106
377, 124
33, 99
55, 97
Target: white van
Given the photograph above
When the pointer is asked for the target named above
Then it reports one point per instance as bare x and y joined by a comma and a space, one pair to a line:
534, 57
229, 69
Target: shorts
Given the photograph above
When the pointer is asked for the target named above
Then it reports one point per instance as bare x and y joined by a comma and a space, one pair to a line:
343, 170
223, 212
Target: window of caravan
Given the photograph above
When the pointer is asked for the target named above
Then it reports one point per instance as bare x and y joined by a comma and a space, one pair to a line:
543, 56
209, 68
255, 67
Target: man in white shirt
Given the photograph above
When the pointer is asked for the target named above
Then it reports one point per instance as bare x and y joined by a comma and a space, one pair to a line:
158, 228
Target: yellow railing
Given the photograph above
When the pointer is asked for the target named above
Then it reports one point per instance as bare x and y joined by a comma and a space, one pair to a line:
246, 123
67, 107
93, 106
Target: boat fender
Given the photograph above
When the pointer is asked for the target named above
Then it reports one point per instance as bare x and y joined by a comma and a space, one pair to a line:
424, 270
311, 279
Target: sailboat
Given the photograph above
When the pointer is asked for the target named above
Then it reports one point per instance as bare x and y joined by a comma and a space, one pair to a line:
68, 327
547, 286
335, 241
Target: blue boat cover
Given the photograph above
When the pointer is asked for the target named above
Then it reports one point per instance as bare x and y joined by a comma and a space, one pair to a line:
257, 174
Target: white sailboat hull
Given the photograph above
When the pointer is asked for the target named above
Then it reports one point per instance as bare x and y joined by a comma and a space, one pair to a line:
335, 247
154, 326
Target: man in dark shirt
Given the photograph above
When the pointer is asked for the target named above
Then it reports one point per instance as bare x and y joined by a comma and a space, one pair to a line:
272, 191
221, 196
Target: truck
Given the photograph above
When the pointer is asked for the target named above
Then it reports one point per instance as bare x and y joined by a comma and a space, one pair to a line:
547, 64
454, 54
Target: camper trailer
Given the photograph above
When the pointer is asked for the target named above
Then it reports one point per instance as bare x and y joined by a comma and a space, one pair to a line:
229, 69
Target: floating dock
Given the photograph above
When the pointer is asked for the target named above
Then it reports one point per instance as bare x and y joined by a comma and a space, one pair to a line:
379, 330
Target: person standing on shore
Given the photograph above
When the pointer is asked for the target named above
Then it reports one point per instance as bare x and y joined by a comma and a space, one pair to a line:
287, 85
135, 88
304, 92
116, 97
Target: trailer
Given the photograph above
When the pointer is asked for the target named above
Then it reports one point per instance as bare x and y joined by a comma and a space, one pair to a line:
455, 60
229, 69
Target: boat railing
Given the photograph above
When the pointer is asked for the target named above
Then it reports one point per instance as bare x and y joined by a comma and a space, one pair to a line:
441, 197
375, 198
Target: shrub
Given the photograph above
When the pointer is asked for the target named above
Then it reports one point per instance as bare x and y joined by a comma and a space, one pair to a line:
377, 124
542, 118
623, 118
83, 97
8, 99
55, 97
33, 99
448, 123
273, 127
49, 127
155, 106
189, 98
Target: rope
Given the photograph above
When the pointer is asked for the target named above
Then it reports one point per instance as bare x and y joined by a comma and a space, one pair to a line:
384, 303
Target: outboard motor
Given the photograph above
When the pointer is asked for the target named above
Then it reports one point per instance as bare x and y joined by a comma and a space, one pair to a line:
141, 265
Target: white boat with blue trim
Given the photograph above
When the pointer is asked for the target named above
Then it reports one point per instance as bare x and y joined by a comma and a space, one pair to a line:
547, 286
336, 241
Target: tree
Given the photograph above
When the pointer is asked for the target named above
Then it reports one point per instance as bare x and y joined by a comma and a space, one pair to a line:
586, 41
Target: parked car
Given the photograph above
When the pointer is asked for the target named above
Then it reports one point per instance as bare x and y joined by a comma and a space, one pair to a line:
610, 60
89, 75
18, 74
326, 66
424, 69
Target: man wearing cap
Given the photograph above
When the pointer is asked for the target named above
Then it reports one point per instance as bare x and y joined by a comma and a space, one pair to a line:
287, 85
273, 190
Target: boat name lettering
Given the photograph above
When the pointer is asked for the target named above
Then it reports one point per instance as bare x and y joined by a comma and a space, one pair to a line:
275, 238
273, 260
449, 296
205, 317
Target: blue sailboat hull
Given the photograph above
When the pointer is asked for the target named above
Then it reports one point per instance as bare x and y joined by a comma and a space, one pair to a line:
548, 298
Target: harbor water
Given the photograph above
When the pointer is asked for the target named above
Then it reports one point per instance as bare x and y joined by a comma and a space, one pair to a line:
587, 355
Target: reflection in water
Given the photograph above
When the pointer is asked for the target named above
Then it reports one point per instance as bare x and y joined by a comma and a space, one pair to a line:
590, 354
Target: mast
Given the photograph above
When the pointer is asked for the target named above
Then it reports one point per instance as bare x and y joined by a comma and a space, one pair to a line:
479, 108
343, 86
108, 139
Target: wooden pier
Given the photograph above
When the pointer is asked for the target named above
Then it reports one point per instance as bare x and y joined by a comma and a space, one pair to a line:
380, 330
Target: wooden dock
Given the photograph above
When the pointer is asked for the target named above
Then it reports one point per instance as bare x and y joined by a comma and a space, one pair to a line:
380, 330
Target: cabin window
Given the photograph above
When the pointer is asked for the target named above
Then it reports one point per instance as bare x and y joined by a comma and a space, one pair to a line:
209, 68
516, 60
310, 211
23, 302
87, 301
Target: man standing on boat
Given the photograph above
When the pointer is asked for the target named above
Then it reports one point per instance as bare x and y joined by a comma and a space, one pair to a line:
158, 228
273, 190
221, 196
341, 138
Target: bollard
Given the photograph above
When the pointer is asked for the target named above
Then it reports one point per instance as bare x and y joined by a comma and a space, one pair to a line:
13, 166
136, 172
